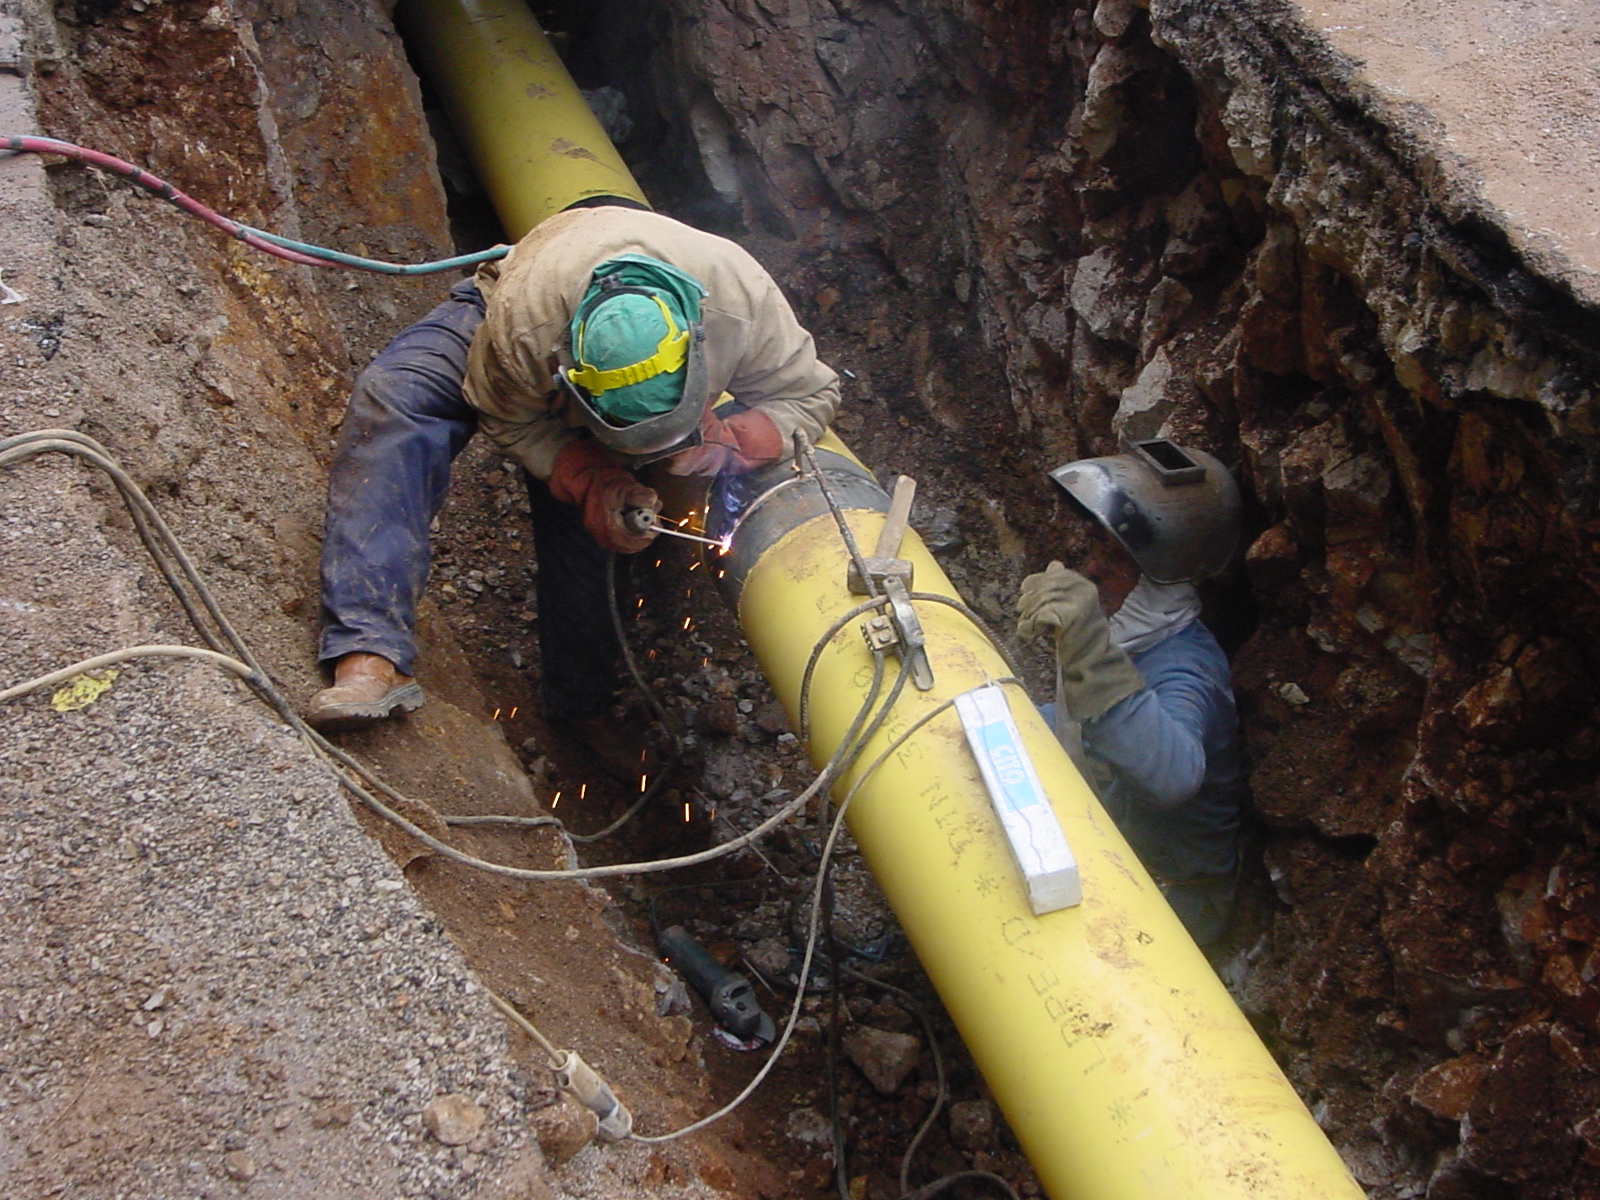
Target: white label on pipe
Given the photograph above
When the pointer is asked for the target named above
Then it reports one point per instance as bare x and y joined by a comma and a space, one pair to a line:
1037, 840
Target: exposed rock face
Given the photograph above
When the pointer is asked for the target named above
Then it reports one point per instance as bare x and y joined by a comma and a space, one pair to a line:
1195, 219
1032, 226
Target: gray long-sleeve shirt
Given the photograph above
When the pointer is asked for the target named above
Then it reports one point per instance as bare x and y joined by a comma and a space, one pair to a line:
1176, 758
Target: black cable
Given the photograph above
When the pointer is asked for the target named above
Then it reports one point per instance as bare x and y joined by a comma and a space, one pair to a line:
627, 655
841, 1174
802, 446
949, 1181
910, 1002
647, 795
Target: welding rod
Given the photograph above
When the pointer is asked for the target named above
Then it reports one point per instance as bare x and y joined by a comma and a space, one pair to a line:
642, 520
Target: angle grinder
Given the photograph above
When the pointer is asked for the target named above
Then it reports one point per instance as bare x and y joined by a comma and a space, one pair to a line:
728, 995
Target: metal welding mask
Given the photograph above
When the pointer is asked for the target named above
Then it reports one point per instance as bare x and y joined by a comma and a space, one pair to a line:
640, 384
1176, 511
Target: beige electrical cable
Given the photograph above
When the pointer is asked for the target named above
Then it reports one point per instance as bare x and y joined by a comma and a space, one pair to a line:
101, 661
159, 540
579, 1077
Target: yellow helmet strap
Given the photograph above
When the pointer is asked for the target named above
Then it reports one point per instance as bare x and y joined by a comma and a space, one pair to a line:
670, 355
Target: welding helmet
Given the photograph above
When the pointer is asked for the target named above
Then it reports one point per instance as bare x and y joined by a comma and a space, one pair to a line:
1176, 511
640, 379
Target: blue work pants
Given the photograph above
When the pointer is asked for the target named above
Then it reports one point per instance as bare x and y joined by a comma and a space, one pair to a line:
406, 422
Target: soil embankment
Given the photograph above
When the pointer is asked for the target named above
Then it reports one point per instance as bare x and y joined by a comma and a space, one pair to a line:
1351, 251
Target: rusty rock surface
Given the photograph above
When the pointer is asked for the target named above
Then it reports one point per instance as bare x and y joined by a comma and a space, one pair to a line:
1350, 249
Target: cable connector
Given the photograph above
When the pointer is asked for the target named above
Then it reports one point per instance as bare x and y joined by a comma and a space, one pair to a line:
580, 1081
577, 1078
880, 633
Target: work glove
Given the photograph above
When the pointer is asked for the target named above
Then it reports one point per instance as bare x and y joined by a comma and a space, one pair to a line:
585, 475
742, 443
1092, 675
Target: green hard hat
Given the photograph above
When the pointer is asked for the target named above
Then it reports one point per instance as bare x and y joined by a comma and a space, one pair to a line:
632, 337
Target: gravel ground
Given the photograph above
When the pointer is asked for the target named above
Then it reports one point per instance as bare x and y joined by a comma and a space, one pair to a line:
213, 981
212, 975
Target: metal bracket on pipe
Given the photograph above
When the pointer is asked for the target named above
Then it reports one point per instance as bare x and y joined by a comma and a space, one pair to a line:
913, 645
899, 629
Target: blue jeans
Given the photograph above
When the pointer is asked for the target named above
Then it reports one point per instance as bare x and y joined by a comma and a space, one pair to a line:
406, 422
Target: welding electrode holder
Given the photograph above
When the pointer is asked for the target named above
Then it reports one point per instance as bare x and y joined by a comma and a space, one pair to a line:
728, 995
579, 1080
639, 520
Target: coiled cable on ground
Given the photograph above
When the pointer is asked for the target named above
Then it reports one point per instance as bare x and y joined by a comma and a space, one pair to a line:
178, 568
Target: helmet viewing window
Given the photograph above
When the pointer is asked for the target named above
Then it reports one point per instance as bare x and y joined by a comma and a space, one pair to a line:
1171, 463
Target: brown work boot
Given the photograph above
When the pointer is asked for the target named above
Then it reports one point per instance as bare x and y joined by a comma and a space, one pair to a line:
366, 688
622, 748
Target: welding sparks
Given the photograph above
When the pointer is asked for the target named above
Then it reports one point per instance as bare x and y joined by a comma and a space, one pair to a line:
496, 716
513, 715
555, 802
685, 812
583, 790
688, 623
642, 779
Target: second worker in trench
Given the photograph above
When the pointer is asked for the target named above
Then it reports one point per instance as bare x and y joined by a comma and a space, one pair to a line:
1144, 699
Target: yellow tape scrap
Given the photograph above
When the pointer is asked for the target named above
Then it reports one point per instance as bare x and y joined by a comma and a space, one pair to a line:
82, 691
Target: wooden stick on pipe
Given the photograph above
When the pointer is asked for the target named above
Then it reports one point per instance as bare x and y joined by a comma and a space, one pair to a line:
894, 525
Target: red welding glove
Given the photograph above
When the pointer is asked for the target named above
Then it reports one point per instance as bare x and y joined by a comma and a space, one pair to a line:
586, 476
742, 443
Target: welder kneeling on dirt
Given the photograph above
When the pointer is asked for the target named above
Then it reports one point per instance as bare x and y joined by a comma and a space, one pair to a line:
609, 339
1144, 700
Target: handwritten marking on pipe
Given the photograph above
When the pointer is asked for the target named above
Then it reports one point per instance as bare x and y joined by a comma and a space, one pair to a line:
571, 150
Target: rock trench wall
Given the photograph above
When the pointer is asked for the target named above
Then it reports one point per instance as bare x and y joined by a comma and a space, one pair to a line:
1036, 227
1030, 227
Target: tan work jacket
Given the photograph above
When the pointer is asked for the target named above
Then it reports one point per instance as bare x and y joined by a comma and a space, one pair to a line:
755, 348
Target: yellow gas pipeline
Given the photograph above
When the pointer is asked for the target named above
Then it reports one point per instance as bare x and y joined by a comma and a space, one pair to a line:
1123, 1066
1119, 1060
535, 142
